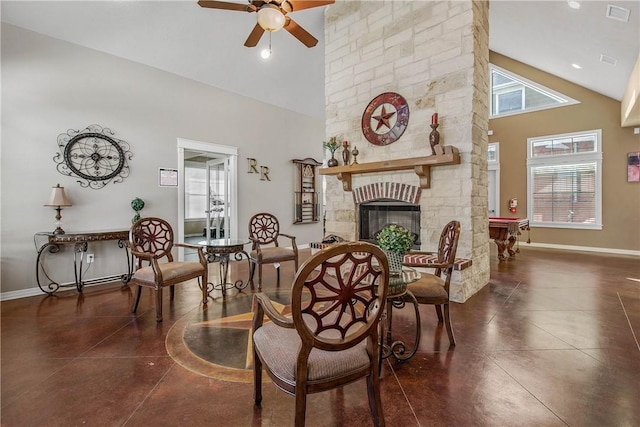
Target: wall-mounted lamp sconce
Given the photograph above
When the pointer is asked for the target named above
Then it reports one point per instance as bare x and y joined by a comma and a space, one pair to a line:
58, 200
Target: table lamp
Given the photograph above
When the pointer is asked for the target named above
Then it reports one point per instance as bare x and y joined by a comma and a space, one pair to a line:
57, 200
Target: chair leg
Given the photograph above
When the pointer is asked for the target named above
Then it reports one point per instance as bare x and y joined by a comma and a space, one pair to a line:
301, 406
278, 275
375, 403
134, 308
172, 292
203, 284
257, 379
252, 271
159, 305
439, 312
260, 276
447, 323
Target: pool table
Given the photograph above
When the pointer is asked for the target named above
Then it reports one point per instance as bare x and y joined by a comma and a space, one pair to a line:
504, 232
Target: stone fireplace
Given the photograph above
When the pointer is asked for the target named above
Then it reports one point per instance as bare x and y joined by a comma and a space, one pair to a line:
435, 54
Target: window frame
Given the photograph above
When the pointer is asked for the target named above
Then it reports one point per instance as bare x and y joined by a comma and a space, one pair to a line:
563, 99
551, 160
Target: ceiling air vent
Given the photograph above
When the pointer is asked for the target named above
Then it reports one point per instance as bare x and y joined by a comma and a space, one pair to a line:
608, 59
618, 13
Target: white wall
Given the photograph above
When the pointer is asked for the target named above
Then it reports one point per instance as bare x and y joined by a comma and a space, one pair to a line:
50, 86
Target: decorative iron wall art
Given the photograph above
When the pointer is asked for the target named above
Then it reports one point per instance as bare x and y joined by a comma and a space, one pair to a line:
94, 155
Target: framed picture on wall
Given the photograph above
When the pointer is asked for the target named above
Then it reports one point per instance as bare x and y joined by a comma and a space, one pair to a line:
168, 177
633, 167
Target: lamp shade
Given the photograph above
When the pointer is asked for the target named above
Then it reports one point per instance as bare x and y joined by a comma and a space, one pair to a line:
270, 18
58, 197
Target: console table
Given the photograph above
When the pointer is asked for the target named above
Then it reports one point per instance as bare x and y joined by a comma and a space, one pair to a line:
49, 243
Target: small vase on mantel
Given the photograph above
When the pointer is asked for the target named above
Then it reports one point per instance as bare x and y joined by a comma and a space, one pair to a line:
332, 161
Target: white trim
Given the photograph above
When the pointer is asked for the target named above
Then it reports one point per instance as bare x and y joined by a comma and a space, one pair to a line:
22, 293
583, 248
494, 165
70, 286
564, 99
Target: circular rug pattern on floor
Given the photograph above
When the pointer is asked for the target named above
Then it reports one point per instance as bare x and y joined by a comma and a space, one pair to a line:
216, 342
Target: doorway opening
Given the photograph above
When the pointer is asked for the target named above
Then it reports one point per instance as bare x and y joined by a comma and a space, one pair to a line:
207, 192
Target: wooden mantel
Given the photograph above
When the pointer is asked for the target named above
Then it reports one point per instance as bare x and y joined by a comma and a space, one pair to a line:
420, 165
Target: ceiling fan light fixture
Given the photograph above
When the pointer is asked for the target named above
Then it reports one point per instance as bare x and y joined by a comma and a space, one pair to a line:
270, 18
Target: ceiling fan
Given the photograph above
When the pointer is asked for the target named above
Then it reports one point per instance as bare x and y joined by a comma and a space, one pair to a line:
272, 16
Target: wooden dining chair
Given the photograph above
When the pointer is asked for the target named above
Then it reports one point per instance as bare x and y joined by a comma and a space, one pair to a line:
151, 241
331, 338
434, 288
264, 233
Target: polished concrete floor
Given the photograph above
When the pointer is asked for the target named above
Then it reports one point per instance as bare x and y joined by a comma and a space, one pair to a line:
552, 340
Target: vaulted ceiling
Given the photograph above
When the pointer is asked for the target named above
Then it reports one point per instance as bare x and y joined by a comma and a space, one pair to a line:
207, 45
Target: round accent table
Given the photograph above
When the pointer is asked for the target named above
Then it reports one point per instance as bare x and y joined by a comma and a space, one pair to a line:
223, 249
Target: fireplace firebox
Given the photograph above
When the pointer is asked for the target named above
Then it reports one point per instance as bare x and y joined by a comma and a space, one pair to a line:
376, 214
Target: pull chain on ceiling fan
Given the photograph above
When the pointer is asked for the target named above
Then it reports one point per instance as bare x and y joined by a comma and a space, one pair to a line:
272, 16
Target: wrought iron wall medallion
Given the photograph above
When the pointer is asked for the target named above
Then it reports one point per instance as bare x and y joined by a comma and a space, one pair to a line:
94, 155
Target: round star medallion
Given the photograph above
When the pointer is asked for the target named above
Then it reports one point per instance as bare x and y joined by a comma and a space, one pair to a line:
385, 118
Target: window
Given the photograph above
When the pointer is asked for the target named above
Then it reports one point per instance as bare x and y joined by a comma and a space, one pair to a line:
565, 180
513, 94
195, 190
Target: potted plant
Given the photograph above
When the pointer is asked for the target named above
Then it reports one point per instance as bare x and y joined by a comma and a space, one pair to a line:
332, 145
137, 204
395, 240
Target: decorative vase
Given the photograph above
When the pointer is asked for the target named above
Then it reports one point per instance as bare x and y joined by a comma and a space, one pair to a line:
345, 152
332, 161
395, 262
434, 138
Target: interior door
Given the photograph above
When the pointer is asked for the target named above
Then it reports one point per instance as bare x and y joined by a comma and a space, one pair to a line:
218, 212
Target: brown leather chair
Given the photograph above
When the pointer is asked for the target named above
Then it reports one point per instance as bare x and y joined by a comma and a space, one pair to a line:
151, 240
331, 338
264, 231
434, 288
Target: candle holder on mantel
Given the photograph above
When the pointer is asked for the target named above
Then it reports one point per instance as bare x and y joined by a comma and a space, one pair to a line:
345, 152
355, 153
434, 138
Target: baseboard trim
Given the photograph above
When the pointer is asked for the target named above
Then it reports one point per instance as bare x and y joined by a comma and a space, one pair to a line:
21, 293
32, 292
582, 248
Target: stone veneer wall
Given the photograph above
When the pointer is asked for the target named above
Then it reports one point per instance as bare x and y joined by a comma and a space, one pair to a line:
435, 54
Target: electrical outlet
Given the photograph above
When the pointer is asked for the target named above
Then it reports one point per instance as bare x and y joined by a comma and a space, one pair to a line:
90, 258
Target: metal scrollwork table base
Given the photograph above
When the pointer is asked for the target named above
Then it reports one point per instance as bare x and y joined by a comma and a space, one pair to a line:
80, 241
397, 298
220, 250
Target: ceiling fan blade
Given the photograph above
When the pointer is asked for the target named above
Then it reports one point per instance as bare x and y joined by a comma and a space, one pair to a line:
300, 33
254, 37
297, 5
224, 5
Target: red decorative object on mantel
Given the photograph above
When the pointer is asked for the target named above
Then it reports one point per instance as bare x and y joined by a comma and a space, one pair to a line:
434, 136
